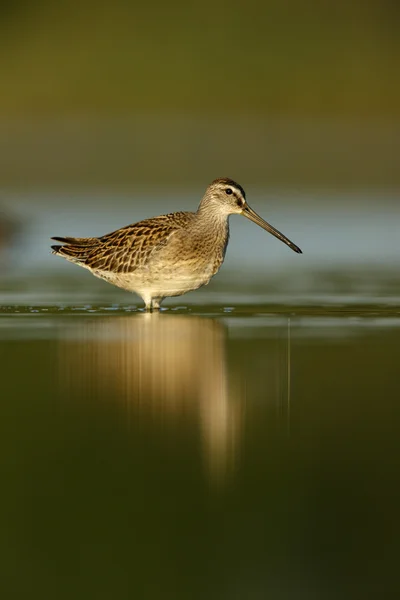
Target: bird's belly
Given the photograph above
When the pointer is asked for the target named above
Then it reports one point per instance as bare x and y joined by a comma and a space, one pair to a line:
159, 282
167, 282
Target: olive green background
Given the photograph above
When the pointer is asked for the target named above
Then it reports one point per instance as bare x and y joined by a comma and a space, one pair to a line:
244, 443
127, 93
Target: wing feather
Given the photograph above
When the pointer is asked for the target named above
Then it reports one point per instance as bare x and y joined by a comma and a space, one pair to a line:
123, 250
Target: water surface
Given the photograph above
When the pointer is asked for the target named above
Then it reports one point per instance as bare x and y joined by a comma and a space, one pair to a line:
243, 443
226, 452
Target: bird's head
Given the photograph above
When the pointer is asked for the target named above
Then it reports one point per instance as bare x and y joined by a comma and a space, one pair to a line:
226, 197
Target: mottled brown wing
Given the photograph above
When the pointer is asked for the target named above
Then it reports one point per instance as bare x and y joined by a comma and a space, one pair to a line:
124, 250
75, 250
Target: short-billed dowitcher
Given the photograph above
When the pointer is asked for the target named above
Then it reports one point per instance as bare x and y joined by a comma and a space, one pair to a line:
171, 254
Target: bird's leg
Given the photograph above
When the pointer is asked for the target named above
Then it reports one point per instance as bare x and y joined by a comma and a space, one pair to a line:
148, 303
152, 304
155, 304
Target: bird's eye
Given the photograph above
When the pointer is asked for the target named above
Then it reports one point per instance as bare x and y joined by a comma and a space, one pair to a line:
228, 191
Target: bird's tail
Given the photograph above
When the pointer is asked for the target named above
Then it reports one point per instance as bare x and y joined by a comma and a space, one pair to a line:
75, 249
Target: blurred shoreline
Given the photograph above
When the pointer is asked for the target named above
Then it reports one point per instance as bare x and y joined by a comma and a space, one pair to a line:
181, 150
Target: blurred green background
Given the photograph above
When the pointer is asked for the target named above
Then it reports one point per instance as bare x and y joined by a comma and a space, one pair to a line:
278, 92
243, 444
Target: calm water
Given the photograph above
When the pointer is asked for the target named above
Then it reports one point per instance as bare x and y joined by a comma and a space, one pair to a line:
242, 444
223, 453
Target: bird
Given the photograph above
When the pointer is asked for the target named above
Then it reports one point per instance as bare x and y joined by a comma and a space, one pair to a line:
171, 254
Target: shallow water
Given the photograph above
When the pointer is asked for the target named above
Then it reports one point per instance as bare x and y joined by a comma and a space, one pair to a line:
243, 443
349, 243
237, 451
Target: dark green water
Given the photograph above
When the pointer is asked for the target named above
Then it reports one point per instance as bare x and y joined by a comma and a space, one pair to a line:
235, 453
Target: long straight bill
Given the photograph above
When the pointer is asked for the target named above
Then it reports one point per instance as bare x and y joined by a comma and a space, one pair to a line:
253, 216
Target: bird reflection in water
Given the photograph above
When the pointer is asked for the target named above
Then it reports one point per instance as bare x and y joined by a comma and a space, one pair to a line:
162, 364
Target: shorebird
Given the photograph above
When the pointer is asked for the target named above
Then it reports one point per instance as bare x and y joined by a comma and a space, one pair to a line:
171, 254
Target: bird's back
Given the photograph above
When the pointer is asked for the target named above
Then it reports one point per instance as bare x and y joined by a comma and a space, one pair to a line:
126, 249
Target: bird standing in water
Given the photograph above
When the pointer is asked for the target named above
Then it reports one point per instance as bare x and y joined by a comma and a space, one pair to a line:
171, 254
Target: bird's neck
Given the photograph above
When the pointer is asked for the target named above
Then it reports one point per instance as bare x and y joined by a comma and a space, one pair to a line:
212, 225
209, 212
